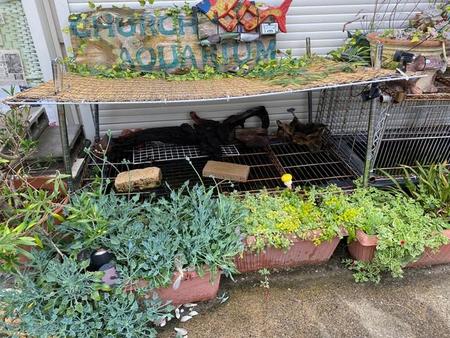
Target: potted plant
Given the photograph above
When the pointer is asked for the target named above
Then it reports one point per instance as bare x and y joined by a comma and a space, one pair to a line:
26, 213
426, 35
430, 187
292, 228
393, 232
57, 297
28, 206
176, 246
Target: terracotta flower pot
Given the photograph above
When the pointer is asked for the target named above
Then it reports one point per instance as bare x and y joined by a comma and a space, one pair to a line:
302, 252
37, 182
390, 46
193, 288
364, 248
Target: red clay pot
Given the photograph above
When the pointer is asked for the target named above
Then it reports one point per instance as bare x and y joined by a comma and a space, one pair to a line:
37, 182
441, 256
302, 252
363, 249
404, 42
193, 288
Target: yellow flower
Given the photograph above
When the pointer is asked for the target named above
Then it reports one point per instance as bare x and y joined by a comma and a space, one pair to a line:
349, 215
286, 178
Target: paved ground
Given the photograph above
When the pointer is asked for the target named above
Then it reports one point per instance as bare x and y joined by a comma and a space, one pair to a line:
325, 302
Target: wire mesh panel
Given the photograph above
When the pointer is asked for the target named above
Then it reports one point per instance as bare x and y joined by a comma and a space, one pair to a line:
150, 152
185, 163
415, 131
345, 115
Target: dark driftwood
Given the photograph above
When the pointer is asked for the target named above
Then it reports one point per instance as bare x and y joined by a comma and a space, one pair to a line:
208, 134
309, 134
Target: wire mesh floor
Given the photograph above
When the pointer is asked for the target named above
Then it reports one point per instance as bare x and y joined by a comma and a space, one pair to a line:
266, 167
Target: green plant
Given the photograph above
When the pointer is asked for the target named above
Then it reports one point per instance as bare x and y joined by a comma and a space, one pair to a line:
24, 210
25, 214
429, 23
14, 142
356, 49
289, 70
429, 185
207, 227
403, 228
93, 6
276, 219
284, 71
265, 283
64, 300
13, 244
189, 230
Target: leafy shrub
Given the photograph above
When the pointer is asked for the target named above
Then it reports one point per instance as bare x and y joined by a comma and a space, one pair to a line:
275, 219
356, 49
13, 244
61, 299
403, 228
206, 228
429, 185
189, 230
25, 213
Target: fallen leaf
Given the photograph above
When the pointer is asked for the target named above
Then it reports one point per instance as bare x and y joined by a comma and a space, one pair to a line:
185, 318
177, 282
181, 331
223, 297
190, 305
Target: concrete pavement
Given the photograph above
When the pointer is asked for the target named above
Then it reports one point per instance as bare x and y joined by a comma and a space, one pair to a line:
324, 301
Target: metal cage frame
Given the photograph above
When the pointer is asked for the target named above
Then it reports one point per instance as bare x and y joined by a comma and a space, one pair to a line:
411, 132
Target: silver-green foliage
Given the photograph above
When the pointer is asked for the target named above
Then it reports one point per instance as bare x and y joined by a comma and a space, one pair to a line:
61, 299
151, 240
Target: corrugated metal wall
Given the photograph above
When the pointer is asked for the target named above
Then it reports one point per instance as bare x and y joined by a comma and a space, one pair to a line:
322, 20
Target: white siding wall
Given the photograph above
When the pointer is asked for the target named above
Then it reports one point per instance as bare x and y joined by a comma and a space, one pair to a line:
322, 20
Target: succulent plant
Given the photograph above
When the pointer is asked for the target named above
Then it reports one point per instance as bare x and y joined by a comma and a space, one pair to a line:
430, 23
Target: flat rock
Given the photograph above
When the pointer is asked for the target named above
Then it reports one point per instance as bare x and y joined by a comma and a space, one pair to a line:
138, 179
226, 171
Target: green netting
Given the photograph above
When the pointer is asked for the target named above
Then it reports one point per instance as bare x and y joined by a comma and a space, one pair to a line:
16, 35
